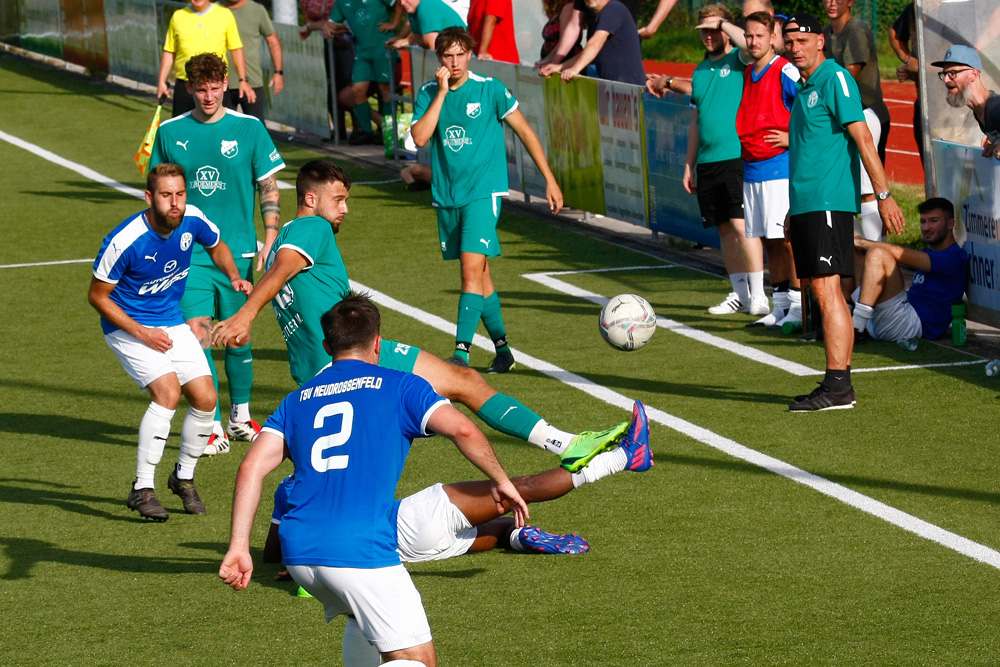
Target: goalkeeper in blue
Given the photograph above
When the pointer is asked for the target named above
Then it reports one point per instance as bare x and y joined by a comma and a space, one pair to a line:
306, 276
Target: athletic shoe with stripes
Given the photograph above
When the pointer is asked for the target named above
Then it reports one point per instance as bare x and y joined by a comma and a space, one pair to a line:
538, 541
585, 446
145, 502
635, 443
184, 489
824, 398
218, 442
246, 431
729, 305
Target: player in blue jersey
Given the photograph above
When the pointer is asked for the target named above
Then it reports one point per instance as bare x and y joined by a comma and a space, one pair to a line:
139, 277
306, 276
348, 432
461, 116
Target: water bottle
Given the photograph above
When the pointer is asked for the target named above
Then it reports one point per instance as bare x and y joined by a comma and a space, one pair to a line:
993, 368
908, 344
789, 328
958, 338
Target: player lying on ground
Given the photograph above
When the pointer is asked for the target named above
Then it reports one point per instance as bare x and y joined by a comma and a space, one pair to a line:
348, 432
447, 520
139, 277
306, 276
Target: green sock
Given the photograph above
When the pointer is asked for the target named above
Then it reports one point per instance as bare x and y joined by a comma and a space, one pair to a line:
507, 415
470, 309
364, 114
215, 381
386, 109
493, 321
239, 371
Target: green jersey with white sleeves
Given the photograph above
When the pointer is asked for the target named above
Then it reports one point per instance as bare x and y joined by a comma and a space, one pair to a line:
468, 156
222, 162
312, 292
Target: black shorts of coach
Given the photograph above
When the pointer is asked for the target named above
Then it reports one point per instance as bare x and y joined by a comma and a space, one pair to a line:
823, 243
720, 191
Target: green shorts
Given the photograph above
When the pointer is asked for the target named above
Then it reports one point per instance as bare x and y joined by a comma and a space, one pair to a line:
209, 293
398, 356
371, 68
470, 228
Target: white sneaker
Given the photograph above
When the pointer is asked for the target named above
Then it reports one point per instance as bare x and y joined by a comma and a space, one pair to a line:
246, 431
759, 304
218, 442
730, 305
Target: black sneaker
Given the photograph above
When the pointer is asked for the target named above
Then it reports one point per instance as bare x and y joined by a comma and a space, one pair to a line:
861, 337
811, 336
502, 363
145, 502
458, 361
823, 398
184, 489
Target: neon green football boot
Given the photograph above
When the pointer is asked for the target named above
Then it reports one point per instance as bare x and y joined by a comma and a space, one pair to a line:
585, 446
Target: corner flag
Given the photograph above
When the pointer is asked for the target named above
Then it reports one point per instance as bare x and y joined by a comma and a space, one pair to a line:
145, 151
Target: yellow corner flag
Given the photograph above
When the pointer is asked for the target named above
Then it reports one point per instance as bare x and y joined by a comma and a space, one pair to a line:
146, 148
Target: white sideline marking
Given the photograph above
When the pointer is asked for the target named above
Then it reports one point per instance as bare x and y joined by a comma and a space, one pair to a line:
745, 351
86, 172
866, 504
64, 261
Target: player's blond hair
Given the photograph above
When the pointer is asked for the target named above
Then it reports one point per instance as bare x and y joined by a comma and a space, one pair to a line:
715, 10
162, 170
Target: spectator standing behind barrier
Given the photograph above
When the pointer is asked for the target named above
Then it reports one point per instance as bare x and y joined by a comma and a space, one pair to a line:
339, 51
826, 134
368, 21
887, 311
851, 43
204, 27
903, 40
613, 47
961, 71
491, 24
560, 13
253, 23
426, 19
769, 88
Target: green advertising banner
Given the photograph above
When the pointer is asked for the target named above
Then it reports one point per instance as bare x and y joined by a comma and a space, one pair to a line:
575, 141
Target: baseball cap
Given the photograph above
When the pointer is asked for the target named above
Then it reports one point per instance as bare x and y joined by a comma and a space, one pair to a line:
960, 54
803, 23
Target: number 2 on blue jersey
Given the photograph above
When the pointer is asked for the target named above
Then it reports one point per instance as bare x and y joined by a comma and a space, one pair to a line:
323, 463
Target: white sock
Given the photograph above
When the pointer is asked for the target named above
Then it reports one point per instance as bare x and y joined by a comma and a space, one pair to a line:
153, 431
240, 412
195, 430
602, 465
549, 438
755, 281
779, 301
356, 650
515, 540
871, 221
741, 287
862, 313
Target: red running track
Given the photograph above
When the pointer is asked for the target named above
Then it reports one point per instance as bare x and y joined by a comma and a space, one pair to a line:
902, 160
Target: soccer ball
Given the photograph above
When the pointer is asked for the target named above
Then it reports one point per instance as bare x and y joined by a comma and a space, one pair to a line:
627, 322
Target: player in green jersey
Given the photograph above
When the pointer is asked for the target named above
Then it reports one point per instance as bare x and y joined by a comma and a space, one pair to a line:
460, 116
306, 277
224, 154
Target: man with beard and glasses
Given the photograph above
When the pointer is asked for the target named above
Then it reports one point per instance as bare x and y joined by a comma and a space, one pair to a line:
962, 72
886, 310
139, 277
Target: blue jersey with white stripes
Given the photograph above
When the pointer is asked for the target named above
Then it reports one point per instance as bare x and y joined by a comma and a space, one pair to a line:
148, 270
348, 431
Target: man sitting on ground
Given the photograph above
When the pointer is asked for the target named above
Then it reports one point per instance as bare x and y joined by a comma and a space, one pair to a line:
884, 309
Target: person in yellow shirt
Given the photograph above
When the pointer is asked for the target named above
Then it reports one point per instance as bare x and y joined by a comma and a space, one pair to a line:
204, 27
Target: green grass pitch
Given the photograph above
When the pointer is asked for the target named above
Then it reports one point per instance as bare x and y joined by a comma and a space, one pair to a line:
707, 559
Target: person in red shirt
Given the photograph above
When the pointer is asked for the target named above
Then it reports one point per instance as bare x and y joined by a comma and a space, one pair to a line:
491, 23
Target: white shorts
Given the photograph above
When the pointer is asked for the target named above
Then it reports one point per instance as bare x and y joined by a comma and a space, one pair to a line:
383, 600
144, 364
876, 129
765, 206
895, 319
430, 527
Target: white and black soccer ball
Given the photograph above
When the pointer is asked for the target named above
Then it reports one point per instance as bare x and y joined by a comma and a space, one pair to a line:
627, 322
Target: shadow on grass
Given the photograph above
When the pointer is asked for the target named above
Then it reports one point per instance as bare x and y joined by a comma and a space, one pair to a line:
855, 482
467, 573
12, 491
75, 428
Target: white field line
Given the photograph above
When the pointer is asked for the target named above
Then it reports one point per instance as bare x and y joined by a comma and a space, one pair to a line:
64, 261
745, 351
86, 172
866, 504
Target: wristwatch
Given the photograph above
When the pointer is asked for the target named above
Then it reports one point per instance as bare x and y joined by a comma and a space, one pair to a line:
882, 196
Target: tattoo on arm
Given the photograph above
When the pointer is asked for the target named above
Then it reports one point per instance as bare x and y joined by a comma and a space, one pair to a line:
270, 204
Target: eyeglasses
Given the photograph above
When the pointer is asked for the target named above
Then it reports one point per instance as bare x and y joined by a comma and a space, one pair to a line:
944, 75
